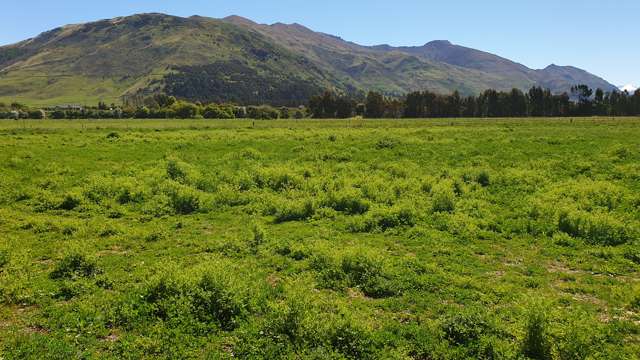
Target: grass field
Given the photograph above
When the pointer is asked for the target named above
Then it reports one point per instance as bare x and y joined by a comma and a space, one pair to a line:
398, 239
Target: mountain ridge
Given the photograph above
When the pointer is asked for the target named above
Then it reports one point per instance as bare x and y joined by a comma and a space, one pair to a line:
236, 59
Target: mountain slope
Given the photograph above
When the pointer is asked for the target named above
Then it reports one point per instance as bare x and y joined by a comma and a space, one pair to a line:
563, 77
138, 53
557, 78
391, 71
236, 59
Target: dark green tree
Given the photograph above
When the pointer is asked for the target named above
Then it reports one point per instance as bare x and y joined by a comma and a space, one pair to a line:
375, 105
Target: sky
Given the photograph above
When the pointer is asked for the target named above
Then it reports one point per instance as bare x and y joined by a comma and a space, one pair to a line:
600, 36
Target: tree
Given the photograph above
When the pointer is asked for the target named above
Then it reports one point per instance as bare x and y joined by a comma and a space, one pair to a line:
344, 107
583, 94
142, 113
413, 105
517, 103
185, 110
536, 101
598, 100
217, 112
323, 106
17, 106
284, 113
164, 100
375, 105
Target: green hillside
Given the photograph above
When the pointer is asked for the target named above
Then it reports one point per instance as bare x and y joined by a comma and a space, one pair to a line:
124, 56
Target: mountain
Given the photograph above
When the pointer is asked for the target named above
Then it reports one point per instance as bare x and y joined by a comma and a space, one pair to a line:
557, 78
235, 59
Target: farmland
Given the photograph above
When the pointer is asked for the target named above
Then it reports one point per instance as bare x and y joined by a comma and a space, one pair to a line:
340, 239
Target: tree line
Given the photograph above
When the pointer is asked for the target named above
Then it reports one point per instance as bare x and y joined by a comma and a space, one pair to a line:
537, 102
159, 106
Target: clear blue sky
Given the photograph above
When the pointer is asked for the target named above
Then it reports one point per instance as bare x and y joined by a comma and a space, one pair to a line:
600, 36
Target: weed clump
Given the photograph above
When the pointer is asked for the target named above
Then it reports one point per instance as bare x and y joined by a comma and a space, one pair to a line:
68, 290
385, 219
210, 298
228, 195
74, 266
347, 202
258, 236
295, 210
443, 197
4, 258
359, 271
277, 179
465, 328
175, 171
536, 343
595, 228
214, 301
155, 236
635, 302
183, 173
182, 199
352, 341
124, 190
483, 178
632, 254
69, 202
45, 201
250, 154
386, 143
